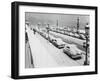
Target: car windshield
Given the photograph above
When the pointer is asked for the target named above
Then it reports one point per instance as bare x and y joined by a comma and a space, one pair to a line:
59, 40
67, 47
52, 37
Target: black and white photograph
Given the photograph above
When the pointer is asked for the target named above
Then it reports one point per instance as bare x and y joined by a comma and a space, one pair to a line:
51, 40
56, 40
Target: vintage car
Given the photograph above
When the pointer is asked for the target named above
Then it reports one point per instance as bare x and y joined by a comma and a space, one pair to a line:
72, 34
82, 36
77, 35
51, 38
72, 51
84, 44
44, 34
58, 42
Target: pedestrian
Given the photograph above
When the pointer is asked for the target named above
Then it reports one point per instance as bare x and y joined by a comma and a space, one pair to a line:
34, 30
26, 37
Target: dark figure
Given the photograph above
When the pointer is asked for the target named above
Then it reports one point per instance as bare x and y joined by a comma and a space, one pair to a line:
26, 37
34, 31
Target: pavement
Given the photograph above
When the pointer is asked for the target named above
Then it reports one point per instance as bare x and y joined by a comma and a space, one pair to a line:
29, 63
40, 55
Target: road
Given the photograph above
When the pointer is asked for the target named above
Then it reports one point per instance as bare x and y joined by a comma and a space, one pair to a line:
57, 54
45, 54
72, 40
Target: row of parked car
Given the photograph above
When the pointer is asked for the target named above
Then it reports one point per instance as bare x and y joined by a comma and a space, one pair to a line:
73, 34
69, 49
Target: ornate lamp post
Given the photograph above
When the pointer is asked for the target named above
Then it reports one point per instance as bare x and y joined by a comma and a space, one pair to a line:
64, 30
48, 28
78, 25
39, 27
86, 35
27, 23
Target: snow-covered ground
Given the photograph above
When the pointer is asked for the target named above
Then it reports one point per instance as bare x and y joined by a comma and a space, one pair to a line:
40, 55
69, 38
46, 54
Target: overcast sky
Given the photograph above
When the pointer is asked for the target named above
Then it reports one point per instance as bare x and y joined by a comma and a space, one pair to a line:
63, 19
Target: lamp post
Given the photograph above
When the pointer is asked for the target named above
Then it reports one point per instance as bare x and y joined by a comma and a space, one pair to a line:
38, 27
86, 35
48, 30
27, 23
64, 30
78, 25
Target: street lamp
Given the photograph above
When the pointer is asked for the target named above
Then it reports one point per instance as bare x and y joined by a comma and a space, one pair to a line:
86, 35
64, 30
48, 28
27, 23
38, 27
78, 25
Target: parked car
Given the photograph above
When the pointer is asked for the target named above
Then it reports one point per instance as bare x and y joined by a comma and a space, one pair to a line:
66, 33
51, 38
61, 31
82, 36
72, 51
58, 43
71, 34
45, 35
76, 35
84, 44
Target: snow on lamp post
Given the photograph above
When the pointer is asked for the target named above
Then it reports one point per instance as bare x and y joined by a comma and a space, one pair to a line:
39, 27
86, 35
78, 25
48, 28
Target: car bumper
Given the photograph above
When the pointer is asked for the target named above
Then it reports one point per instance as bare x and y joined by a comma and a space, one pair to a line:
79, 56
76, 56
61, 46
